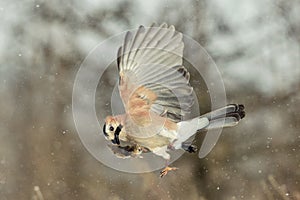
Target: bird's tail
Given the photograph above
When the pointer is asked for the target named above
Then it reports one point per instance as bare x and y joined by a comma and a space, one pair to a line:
227, 116
186, 129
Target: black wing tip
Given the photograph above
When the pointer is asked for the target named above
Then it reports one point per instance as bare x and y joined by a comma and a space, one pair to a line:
141, 29
128, 35
153, 24
183, 71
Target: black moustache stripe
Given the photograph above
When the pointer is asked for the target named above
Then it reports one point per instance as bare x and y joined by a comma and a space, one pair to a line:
104, 130
117, 133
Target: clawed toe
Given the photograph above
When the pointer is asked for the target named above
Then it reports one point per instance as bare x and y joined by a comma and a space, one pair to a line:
166, 170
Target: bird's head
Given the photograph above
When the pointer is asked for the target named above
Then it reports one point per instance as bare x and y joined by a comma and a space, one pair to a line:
111, 129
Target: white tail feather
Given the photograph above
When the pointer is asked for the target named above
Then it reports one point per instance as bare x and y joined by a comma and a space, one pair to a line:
186, 129
222, 123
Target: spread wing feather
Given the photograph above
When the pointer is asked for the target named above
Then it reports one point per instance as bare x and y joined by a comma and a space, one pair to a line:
151, 58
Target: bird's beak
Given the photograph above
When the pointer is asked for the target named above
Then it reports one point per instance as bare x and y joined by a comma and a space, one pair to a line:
114, 141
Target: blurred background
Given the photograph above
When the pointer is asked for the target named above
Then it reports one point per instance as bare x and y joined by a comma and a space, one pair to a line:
255, 44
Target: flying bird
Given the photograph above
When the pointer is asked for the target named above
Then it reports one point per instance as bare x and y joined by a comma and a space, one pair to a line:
156, 94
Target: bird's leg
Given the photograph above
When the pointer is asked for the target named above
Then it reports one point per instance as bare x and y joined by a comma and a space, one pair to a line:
189, 147
171, 145
166, 170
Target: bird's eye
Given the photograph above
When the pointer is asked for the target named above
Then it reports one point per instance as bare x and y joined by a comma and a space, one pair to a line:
111, 128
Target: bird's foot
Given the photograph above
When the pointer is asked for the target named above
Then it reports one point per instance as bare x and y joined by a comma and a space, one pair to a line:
166, 170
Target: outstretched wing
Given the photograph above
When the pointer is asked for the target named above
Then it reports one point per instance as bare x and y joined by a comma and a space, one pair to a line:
152, 78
